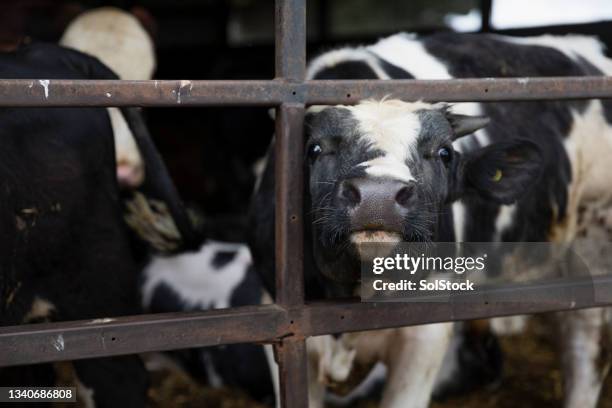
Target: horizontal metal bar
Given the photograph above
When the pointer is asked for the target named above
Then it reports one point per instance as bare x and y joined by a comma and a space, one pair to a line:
269, 323
462, 90
27, 92
65, 92
557, 295
46, 342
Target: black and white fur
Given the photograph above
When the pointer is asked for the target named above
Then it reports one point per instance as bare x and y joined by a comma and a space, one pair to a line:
218, 275
564, 148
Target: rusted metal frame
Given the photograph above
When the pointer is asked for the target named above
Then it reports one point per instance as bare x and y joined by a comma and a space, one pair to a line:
293, 373
162, 93
290, 352
26, 92
29, 344
290, 39
37, 343
289, 203
503, 300
460, 90
290, 49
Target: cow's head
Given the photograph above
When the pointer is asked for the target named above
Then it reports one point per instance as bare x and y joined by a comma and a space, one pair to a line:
387, 171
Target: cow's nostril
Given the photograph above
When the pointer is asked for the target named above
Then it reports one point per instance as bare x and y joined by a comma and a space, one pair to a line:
404, 195
350, 193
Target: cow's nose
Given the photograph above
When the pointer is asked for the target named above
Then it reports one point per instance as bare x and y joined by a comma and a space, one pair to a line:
376, 203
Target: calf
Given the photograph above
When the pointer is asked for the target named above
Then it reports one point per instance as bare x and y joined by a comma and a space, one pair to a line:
432, 170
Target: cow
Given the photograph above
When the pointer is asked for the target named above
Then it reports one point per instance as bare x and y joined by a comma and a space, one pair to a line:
393, 171
217, 275
66, 251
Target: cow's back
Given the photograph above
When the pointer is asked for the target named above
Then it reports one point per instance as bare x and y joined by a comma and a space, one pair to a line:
575, 136
63, 242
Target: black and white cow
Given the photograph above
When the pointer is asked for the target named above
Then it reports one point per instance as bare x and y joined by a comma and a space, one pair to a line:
218, 275
396, 171
66, 252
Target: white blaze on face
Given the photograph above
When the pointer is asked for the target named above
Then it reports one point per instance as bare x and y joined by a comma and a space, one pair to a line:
393, 127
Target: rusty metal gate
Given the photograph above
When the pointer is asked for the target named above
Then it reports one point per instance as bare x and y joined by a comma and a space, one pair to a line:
287, 323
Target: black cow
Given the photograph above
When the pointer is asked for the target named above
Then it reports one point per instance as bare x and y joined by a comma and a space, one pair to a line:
396, 171
65, 251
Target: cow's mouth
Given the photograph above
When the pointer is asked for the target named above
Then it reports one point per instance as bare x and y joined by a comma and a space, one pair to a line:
375, 236
372, 243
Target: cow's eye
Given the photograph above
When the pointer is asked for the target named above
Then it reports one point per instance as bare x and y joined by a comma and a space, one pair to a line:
445, 154
314, 151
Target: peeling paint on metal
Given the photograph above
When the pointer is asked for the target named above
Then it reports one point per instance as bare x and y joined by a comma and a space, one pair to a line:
45, 84
58, 342
182, 85
101, 321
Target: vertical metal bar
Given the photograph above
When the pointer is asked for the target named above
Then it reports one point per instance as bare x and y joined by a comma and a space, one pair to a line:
293, 373
290, 38
290, 65
289, 196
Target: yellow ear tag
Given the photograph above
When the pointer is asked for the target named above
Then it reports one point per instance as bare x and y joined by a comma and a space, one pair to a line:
498, 175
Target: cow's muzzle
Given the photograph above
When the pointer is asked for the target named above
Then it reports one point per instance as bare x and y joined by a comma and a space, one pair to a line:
377, 204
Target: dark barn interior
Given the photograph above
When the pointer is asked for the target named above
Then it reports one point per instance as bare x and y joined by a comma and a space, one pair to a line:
211, 152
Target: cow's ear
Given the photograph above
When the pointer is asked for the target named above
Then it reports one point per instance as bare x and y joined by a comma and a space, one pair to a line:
502, 172
464, 125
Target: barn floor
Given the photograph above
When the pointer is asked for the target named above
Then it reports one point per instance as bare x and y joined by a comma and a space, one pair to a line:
532, 379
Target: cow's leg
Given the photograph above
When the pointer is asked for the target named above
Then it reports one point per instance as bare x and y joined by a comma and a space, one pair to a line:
586, 357
414, 356
273, 367
316, 389
329, 360
114, 381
